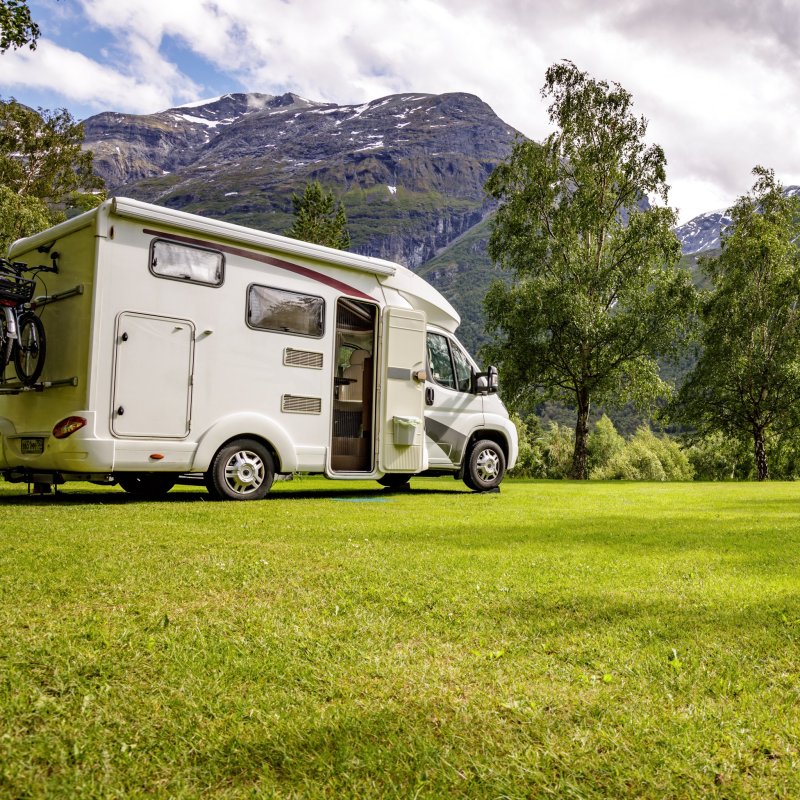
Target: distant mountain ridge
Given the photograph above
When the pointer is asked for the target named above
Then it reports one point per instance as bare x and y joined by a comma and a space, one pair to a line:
410, 168
703, 233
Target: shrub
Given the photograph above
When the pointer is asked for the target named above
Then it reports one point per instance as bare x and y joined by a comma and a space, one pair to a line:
647, 457
604, 443
558, 445
530, 462
717, 457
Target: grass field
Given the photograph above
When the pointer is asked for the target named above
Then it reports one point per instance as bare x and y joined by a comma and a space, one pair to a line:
336, 640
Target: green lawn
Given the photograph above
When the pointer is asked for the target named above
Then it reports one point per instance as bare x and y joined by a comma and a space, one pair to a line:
336, 640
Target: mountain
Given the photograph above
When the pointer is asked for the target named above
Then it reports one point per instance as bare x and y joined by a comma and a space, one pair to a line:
410, 168
702, 234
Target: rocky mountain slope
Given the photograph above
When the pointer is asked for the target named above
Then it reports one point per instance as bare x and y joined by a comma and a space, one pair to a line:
410, 168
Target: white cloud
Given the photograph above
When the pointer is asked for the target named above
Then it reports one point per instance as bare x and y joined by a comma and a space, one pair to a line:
81, 80
718, 82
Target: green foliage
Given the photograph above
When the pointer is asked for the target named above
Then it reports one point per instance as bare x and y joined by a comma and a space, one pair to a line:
17, 28
604, 443
746, 383
558, 444
319, 219
20, 216
597, 293
647, 457
43, 170
530, 462
719, 457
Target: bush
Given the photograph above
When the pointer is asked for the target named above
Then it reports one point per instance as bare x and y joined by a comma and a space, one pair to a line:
604, 443
558, 446
647, 457
717, 457
530, 462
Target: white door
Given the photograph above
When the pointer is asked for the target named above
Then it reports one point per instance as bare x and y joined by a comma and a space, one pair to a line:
152, 376
452, 411
402, 434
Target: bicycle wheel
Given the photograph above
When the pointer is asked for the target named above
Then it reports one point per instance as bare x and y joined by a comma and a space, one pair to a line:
6, 348
30, 350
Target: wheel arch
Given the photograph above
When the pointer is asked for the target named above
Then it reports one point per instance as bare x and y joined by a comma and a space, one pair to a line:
247, 426
498, 437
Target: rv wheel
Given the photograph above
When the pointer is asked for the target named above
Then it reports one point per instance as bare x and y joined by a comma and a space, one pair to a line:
242, 470
485, 467
147, 485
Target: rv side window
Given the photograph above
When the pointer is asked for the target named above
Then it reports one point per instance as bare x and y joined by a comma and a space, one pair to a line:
287, 312
463, 368
184, 263
439, 360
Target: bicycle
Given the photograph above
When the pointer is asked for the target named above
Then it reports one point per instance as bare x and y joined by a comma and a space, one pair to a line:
22, 337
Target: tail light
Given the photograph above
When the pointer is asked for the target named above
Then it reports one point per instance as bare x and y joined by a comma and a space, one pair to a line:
68, 426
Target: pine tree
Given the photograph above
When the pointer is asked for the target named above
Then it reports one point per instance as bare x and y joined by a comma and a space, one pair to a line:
319, 219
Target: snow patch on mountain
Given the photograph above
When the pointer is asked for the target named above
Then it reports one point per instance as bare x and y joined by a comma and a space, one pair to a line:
704, 232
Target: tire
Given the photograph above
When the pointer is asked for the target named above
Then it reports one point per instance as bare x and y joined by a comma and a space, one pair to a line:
146, 485
394, 480
485, 466
241, 470
6, 348
30, 349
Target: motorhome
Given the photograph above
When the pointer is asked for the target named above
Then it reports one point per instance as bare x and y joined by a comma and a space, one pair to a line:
181, 348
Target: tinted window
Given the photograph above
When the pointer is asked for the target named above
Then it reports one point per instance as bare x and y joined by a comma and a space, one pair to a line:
284, 311
184, 263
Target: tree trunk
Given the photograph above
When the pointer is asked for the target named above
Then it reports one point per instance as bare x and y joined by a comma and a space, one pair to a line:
760, 454
579, 455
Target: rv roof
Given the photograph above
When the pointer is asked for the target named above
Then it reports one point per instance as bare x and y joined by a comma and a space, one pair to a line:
135, 209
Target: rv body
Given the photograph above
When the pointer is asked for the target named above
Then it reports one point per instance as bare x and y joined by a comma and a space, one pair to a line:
172, 340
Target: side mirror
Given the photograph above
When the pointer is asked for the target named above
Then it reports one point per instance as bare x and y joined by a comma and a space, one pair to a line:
486, 382
493, 378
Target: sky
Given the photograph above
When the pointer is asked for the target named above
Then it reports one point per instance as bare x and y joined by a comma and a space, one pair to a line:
718, 80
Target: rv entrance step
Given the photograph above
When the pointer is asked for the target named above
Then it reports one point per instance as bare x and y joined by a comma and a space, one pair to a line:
46, 299
15, 387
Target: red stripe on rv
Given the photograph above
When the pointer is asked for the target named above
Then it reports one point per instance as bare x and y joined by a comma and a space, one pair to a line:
275, 262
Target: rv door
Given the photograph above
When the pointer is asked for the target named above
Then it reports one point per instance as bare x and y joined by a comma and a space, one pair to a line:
402, 436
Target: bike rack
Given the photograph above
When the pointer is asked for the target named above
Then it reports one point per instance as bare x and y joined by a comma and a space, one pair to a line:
16, 387
46, 299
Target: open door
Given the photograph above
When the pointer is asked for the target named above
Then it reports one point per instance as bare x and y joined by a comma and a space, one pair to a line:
353, 424
402, 413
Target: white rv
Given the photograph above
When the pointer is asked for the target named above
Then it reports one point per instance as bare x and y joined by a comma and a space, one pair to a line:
181, 348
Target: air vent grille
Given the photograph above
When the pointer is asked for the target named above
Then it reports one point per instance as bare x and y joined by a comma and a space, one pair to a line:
302, 358
294, 404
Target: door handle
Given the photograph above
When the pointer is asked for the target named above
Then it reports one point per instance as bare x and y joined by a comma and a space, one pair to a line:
428, 395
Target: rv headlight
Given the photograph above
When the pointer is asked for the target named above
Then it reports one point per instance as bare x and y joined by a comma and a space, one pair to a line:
68, 426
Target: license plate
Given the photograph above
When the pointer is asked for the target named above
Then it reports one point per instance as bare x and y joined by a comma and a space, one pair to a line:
32, 447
